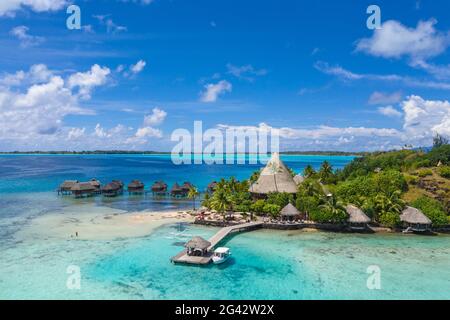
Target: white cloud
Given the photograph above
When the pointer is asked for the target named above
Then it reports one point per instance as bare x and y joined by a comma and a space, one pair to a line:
9, 7
146, 132
86, 81
213, 91
26, 40
138, 67
76, 133
389, 111
385, 98
155, 118
38, 73
246, 72
347, 75
395, 40
111, 26
424, 118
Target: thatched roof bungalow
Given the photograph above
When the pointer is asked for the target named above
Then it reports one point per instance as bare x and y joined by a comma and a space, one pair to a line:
113, 188
159, 187
197, 246
357, 219
81, 189
136, 186
94, 182
187, 186
275, 177
66, 186
177, 191
290, 212
212, 186
415, 220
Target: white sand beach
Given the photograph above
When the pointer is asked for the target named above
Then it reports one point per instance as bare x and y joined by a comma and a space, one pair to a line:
90, 222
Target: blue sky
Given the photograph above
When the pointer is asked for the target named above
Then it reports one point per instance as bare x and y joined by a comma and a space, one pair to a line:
137, 70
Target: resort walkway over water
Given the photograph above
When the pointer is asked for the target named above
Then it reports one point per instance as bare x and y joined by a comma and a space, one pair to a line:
183, 257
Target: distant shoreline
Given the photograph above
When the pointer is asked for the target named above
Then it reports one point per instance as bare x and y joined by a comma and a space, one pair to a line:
124, 152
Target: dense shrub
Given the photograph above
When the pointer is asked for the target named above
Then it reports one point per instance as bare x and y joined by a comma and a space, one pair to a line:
424, 173
433, 209
272, 209
444, 172
389, 219
258, 206
440, 154
280, 199
326, 216
411, 179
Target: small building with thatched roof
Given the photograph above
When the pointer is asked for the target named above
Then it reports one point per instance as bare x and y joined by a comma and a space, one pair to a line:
289, 212
113, 188
136, 186
159, 187
197, 246
211, 187
81, 189
177, 191
66, 186
187, 186
94, 182
357, 219
275, 177
415, 220
298, 179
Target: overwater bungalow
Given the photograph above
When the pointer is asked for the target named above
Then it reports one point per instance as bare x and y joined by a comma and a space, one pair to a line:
290, 213
211, 187
415, 220
275, 177
187, 186
113, 189
197, 246
357, 219
94, 182
66, 187
299, 179
177, 191
82, 189
136, 186
159, 187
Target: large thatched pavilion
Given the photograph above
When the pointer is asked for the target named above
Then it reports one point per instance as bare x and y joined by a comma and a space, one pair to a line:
415, 220
275, 177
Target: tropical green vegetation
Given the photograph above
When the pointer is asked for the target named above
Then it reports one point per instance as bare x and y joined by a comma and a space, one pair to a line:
382, 184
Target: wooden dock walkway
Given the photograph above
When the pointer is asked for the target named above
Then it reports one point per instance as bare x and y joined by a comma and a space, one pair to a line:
182, 257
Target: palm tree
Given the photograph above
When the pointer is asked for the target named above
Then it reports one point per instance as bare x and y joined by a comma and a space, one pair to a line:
193, 194
221, 202
334, 206
326, 170
308, 172
389, 203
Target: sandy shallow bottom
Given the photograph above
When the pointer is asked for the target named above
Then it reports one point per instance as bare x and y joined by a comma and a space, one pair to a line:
89, 222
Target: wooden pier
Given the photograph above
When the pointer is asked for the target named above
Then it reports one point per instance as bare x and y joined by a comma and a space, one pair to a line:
183, 257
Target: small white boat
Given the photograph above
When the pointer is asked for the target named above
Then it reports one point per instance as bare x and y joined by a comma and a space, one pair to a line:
221, 255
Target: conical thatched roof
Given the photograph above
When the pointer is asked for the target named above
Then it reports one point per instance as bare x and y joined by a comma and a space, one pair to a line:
299, 179
356, 215
176, 188
413, 215
113, 186
275, 177
159, 185
290, 211
136, 184
197, 243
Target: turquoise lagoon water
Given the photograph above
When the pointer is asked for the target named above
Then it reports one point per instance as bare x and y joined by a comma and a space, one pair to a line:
265, 264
